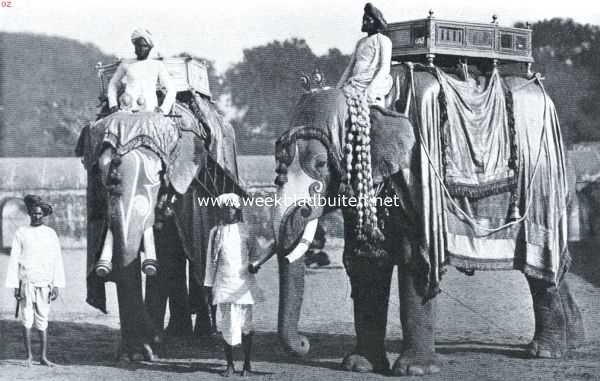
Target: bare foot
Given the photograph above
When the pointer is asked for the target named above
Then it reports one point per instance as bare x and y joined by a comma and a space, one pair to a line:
29, 362
247, 371
45, 361
228, 372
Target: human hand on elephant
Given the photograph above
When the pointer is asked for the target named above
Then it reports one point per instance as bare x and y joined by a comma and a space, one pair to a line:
253, 268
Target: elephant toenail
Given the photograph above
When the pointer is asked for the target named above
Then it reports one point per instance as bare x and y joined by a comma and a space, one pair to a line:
415, 371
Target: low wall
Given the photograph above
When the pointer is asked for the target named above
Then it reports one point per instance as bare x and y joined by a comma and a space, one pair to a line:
62, 181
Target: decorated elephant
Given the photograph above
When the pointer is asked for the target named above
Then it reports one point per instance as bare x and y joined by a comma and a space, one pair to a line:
143, 214
513, 216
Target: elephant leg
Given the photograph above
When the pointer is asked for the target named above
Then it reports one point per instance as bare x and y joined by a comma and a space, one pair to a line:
180, 323
156, 298
202, 307
370, 293
549, 340
575, 329
137, 329
417, 317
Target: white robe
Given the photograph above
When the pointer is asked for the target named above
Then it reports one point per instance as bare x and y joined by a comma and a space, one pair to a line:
369, 68
35, 257
230, 250
140, 78
36, 264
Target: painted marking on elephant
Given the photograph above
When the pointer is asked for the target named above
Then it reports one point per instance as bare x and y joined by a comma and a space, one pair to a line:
136, 174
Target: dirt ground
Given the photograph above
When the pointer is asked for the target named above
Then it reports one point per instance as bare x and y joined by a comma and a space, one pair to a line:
483, 324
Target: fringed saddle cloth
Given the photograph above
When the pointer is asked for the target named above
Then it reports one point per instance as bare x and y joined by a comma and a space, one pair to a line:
478, 137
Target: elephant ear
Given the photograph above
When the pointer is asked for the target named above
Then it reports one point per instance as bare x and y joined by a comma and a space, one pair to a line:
392, 142
190, 157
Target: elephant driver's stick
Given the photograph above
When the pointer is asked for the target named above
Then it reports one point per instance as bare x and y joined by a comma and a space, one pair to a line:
298, 252
255, 266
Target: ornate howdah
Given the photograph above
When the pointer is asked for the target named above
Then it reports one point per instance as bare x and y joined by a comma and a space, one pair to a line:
424, 39
187, 74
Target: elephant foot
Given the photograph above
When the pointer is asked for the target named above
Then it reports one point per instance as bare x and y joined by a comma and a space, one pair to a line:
411, 363
355, 362
544, 349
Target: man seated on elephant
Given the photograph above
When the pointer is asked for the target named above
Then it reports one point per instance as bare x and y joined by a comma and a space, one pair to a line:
140, 76
369, 67
365, 82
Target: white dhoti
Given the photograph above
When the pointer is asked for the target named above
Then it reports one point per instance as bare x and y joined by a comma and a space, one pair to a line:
234, 320
35, 306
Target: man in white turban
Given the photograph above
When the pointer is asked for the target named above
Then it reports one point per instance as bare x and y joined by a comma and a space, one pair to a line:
139, 76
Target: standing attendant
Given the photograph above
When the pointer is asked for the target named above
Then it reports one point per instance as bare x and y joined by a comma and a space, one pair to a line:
35, 271
230, 274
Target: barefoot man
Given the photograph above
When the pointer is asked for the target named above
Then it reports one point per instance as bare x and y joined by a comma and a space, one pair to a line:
35, 271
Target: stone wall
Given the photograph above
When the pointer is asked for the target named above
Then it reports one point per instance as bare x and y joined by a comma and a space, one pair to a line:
62, 181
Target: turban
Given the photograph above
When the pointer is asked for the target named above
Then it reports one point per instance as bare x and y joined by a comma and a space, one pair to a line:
375, 13
142, 33
31, 201
229, 199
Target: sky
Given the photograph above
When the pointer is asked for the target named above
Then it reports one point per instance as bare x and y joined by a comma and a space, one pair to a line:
219, 30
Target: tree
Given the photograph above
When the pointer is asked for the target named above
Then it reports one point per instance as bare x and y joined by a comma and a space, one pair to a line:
265, 86
568, 54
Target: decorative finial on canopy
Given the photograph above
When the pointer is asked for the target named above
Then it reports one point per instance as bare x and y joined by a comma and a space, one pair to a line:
494, 19
431, 13
317, 77
305, 82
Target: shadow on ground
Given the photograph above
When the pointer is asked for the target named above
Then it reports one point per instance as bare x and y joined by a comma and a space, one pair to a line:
84, 344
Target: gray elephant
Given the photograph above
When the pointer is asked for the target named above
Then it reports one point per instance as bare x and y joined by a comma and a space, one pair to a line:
139, 176
429, 226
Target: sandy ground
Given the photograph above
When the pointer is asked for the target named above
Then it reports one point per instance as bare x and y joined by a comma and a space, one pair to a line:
484, 322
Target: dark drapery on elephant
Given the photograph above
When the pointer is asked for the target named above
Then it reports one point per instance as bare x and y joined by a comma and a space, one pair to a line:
310, 165
132, 176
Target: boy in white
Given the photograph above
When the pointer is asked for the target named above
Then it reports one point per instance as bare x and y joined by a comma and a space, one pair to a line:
234, 289
35, 271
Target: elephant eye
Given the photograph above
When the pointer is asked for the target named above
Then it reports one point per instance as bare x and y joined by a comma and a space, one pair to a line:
320, 163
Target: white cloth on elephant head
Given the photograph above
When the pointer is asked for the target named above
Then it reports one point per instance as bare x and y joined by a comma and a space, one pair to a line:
234, 320
369, 68
140, 78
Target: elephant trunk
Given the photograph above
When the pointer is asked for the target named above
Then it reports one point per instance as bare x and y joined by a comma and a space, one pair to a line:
291, 291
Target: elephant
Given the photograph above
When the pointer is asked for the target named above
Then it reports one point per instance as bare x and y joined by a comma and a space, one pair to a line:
143, 184
403, 137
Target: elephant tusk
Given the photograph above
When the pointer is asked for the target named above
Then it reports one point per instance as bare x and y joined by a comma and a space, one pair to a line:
104, 264
149, 262
307, 237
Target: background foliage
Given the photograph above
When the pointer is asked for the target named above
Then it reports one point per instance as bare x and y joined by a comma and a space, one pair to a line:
48, 86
